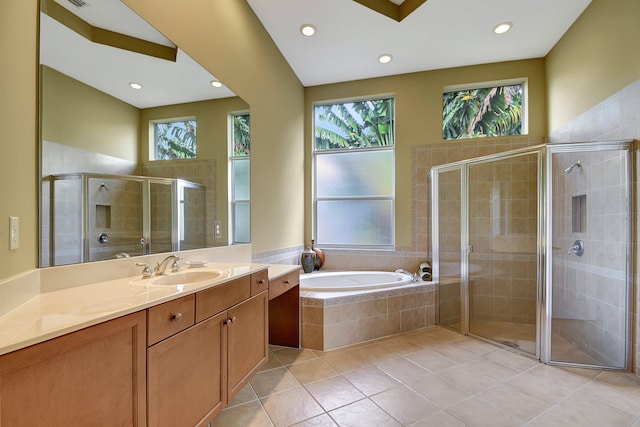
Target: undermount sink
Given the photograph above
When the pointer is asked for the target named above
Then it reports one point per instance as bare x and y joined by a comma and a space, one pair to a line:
183, 278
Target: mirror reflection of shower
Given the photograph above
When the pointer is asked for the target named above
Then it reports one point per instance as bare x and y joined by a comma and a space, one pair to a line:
570, 169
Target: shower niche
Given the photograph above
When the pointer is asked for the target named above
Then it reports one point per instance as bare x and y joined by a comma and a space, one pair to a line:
95, 217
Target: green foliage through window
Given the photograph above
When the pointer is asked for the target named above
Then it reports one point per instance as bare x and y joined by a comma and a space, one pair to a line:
175, 140
357, 124
241, 135
484, 112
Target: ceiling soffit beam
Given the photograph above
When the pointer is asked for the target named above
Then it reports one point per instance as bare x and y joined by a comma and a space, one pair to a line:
107, 37
392, 10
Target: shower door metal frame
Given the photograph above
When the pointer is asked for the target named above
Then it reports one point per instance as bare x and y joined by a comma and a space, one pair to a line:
464, 231
465, 246
547, 302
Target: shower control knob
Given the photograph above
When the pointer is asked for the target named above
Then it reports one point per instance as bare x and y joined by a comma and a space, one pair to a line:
577, 248
103, 238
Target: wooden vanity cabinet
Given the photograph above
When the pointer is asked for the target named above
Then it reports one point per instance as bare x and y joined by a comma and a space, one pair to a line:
247, 341
194, 373
185, 385
93, 377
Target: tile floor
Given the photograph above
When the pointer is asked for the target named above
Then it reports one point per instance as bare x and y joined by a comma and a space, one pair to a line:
429, 377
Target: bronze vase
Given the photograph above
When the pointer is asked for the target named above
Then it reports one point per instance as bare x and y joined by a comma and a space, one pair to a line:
319, 260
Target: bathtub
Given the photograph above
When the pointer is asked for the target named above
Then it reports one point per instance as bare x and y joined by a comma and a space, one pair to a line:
347, 281
343, 308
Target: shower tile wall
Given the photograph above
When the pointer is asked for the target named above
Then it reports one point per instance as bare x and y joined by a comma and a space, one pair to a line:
122, 199
617, 117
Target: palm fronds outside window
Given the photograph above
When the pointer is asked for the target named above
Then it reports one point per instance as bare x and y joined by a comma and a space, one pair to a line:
175, 140
482, 112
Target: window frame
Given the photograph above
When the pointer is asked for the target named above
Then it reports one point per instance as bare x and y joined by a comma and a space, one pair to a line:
314, 184
233, 202
524, 81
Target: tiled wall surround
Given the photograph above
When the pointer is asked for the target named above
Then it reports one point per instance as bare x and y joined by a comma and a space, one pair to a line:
338, 322
289, 255
615, 118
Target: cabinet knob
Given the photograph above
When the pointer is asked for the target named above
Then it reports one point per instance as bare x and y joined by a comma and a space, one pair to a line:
261, 282
286, 282
176, 317
229, 320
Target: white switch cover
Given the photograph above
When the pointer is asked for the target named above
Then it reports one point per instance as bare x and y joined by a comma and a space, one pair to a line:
14, 233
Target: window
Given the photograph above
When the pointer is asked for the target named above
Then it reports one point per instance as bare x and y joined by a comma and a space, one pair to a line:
240, 188
354, 173
489, 111
174, 139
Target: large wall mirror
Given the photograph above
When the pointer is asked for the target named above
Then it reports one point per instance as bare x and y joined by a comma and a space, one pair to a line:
134, 138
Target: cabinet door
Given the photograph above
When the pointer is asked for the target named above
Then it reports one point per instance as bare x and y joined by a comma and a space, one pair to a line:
92, 377
185, 376
247, 341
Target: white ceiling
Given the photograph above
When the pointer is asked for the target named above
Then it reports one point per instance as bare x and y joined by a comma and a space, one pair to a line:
439, 34
111, 70
349, 39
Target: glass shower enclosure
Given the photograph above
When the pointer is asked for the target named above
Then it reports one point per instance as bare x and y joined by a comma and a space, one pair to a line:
93, 217
532, 250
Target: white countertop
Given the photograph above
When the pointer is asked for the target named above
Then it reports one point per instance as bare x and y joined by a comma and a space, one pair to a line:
57, 312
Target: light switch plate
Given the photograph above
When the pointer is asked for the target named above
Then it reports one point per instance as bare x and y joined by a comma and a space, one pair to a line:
14, 233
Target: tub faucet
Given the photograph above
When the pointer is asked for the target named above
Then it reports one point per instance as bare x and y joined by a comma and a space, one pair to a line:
162, 266
414, 276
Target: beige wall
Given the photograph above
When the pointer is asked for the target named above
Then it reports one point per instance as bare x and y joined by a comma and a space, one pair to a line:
597, 57
80, 116
18, 121
227, 39
419, 118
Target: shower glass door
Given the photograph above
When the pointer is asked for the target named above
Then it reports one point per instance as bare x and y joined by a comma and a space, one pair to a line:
503, 245
589, 255
447, 184
162, 214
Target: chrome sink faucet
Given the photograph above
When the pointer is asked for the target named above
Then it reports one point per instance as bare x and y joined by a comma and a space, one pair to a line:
162, 266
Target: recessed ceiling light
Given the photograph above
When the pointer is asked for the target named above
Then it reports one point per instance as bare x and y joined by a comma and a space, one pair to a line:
216, 83
502, 27
308, 30
385, 58
135, 85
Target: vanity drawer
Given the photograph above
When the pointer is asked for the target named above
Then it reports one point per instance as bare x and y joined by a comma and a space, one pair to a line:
169, 318
259, 282
218, 298
282, 284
